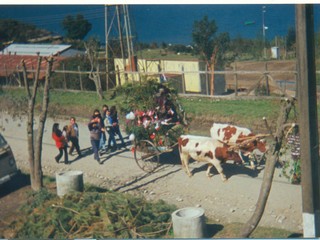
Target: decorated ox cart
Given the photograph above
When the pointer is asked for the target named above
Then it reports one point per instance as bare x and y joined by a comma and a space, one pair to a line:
155, 130
155, 127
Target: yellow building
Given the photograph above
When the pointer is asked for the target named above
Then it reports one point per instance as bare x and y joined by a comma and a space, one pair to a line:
189, 75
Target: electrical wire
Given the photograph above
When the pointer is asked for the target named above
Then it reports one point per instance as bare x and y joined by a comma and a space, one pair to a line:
53, 19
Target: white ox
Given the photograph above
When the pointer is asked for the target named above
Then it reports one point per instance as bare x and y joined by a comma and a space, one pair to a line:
233, 135
203, 149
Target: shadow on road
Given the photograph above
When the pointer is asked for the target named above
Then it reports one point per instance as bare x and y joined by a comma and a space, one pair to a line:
104, 158
230, 170
84, 152
154, 179
171, 157
213, 229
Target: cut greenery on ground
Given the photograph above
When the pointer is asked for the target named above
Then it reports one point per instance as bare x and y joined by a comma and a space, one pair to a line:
99, 213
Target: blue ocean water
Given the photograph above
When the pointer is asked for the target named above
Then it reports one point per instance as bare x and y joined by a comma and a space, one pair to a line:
168, 23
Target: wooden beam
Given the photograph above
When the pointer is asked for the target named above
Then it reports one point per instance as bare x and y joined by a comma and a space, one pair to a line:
308, 120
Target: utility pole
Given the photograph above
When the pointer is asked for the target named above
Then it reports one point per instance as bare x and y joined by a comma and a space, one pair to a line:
125, 13
118, 28
264, 28
308, 120
121, 43
130, 32
107, 44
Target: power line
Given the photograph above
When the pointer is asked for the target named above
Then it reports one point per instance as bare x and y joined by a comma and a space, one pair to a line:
53, 19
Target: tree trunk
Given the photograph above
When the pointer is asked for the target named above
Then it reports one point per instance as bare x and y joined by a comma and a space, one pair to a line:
96, 79
34, 152
38, 184
31, 103
94, 76
98, 84
273, 156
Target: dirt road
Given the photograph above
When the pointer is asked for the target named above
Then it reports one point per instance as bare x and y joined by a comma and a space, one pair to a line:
232, 201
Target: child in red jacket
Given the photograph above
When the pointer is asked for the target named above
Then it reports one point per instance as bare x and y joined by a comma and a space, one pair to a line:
61, 143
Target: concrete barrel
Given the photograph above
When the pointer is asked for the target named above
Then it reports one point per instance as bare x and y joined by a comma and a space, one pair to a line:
189, 222
68, 182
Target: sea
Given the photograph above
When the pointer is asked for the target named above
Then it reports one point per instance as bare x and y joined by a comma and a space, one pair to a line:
166, 23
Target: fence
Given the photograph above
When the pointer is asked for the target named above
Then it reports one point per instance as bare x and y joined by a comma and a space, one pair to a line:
236, 79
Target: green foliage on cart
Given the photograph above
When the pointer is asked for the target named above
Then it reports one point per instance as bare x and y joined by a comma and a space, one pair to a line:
149, 104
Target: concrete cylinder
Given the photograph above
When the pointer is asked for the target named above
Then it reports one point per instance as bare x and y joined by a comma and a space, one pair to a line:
189, 222
68, 182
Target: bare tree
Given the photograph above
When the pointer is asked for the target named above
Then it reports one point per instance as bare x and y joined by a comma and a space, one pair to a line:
273, 157
91, 48
35, 147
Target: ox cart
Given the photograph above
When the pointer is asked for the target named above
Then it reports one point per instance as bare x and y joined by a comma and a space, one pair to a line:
155, 126
147, 150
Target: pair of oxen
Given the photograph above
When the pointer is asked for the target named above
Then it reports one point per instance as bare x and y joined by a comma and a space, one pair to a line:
227, 142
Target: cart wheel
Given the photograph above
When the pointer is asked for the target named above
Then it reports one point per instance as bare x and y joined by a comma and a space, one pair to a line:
146, 155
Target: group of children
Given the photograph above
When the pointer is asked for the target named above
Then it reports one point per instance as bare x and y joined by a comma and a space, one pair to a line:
100, 124
70, 133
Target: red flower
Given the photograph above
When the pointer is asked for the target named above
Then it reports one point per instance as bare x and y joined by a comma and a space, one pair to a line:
152, 136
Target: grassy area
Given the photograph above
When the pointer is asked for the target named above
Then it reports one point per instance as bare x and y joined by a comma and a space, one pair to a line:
233, 109
195, 106
201, 111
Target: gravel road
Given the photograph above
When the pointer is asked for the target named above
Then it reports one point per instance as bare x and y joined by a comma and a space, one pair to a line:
231, 201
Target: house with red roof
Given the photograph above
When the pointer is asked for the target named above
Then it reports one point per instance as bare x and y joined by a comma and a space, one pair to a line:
12, 56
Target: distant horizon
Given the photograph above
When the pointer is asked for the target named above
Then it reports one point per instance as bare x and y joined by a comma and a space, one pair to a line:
169, 23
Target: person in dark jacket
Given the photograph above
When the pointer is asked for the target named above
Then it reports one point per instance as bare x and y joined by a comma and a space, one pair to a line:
112, 144
115, 124
61, 143
73, 135
95, 127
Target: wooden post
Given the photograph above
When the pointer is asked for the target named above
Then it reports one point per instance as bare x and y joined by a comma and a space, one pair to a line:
235, 77
64, 78
266, 78
80, 78
207, 81
296, 79
6, 70
183, 81
308, 120
118, 74
19, 77
212, 79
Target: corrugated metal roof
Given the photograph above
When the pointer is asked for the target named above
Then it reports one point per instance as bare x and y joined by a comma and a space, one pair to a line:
72, 53
33, 49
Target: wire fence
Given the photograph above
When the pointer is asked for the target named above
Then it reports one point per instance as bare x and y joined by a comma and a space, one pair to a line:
259, 81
